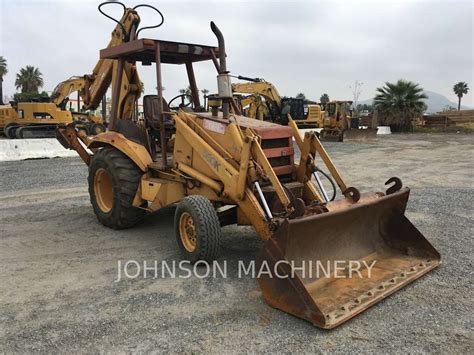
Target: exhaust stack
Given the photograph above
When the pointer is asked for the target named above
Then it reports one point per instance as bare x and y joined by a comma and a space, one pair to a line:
224, 85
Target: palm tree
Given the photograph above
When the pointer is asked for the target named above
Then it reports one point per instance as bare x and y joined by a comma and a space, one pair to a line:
460, 89
398, 103
324, 99
205, 92
3, 72
29, 79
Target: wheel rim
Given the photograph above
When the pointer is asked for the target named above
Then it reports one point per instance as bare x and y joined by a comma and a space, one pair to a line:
98, 129
187, 232
103, 190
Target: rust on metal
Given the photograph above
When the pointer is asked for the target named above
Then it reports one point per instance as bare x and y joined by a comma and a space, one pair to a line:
159, 89
395, 187
116, 94
68, 138
374, 230
143, 50
192, 84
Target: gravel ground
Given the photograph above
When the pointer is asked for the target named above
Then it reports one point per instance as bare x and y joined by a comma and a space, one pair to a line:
59, 264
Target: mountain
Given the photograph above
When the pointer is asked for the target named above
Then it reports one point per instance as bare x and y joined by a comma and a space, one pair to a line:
435, 102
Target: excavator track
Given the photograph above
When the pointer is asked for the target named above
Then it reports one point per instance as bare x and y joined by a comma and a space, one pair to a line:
43, 131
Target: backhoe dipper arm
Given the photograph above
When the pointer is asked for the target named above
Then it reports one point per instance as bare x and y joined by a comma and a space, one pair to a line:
65, 88
263, 88
92, 87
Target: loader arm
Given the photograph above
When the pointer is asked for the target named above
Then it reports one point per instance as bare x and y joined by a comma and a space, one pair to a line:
228, 175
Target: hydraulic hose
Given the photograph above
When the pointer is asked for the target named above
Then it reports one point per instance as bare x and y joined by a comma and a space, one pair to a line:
333, 184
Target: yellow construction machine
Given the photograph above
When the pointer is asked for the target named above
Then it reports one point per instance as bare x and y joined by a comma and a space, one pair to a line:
221, 168
252, 106
40, 119
273, 106
340, 124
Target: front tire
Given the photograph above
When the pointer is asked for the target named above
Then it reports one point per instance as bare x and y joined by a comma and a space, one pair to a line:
113, 183
197, 229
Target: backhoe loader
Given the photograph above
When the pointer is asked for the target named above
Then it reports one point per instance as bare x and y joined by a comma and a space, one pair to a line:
40, 119
221, 168
339, 124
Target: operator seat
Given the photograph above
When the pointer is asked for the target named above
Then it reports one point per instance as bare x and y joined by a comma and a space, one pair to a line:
151, 113
151, 110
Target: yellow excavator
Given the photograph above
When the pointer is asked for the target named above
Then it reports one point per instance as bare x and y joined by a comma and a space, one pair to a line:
277, 108
40, 119
221, 168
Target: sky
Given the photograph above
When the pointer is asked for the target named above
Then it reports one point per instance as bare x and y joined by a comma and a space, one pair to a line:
313, 47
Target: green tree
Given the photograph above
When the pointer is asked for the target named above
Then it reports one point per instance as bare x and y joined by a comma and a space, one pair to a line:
205, 92
398, 103
460, 89
3, 72
364, 107
301, 96
324, 99
31, 97
186, 91
29, 79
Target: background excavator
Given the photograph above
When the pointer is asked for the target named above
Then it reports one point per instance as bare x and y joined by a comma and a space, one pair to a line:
278, 108
221, 168
337, 120
40, 119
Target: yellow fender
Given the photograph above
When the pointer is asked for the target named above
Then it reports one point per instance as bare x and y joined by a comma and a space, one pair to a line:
136, 152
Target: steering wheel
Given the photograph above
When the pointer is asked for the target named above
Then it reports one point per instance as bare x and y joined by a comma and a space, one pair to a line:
184, 98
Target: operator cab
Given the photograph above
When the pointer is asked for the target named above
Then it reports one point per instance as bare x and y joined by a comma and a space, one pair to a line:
157, 112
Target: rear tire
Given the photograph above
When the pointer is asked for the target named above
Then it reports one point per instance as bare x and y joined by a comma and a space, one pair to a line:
197, 229
113, 183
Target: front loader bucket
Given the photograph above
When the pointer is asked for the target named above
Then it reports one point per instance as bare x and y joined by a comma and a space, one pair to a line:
313, 259
360, 135
331, 135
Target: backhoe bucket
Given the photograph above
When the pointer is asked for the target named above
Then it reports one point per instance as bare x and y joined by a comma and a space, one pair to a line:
327, 268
